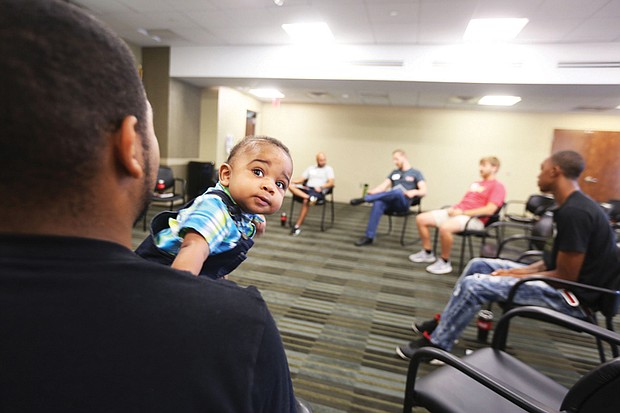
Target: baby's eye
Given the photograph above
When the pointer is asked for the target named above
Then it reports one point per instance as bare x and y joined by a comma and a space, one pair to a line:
257, 172
281, 185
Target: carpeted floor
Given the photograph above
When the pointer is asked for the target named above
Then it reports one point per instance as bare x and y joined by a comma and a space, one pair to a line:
342, 310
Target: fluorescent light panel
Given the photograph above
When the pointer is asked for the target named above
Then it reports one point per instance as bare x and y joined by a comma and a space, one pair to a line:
489, 30
267, 93
499, 100
318, 32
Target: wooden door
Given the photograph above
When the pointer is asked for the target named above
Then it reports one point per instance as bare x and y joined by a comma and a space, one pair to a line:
250, 123
601, 151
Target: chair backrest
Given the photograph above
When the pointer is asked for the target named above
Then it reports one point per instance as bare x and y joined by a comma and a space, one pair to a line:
597, 391
543, 227
538, 204
495, 217
165, 173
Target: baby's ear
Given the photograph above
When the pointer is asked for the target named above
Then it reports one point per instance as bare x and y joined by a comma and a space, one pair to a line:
224, 174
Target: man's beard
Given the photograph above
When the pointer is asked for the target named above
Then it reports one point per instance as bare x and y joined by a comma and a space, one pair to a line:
147, 192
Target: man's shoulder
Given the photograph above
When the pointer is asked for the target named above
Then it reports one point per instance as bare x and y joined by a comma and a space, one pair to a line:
413, 171
199, 292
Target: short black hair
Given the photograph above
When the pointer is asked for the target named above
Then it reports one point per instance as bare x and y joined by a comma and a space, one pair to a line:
570, 163
253, 141
67, 83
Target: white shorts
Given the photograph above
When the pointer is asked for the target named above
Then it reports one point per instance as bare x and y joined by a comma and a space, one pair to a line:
441, 217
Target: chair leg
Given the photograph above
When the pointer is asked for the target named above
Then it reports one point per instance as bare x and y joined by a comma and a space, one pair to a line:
610, 326
403, 233
331, 221
463, 242
599, 342
290, 214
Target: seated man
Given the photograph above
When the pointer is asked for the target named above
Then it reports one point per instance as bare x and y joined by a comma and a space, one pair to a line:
318, 179
403, 187
483, 198
87, 325
584, 250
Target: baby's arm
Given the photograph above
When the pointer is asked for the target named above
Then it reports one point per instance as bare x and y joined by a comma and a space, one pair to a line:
261, 225
193, 253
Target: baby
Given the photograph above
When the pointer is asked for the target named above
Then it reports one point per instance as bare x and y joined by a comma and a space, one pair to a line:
211, 235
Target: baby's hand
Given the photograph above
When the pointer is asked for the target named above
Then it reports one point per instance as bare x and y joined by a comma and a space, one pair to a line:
260, 225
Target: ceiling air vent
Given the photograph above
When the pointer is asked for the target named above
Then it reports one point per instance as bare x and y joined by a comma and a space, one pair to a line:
592, 108
588, 65
318, 95
464, 99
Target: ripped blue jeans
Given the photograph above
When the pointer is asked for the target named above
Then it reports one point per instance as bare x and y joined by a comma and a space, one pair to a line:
476, 288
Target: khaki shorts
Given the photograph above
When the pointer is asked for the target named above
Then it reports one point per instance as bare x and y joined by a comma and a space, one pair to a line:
441, 217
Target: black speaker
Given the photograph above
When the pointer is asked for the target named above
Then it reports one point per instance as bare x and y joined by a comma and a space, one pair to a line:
200, 177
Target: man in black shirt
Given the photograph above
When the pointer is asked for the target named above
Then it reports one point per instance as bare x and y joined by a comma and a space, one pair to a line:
88, 326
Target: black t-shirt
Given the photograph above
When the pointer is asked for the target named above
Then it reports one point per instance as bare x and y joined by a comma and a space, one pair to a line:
582, 226
88, 326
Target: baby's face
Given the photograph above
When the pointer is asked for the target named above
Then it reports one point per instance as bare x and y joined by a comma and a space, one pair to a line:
259, 178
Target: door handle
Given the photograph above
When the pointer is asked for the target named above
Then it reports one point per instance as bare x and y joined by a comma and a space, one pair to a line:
590, 179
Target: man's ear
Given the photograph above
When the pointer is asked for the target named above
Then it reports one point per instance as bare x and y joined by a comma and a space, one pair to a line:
126, 142
555, 171
224, 174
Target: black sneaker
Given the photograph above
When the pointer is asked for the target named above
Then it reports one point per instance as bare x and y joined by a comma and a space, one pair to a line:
406, 352
357, 201
426, 326
295, 231
363, 241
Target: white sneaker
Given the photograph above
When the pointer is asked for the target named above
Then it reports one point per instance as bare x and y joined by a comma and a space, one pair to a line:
439, 267
422, 256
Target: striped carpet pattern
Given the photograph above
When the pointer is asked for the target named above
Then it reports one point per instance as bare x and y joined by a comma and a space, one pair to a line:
342, 310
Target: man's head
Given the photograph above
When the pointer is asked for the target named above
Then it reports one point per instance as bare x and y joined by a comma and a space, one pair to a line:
257, 174
566, 164
489, 165
68, 85
399, 157
321, 159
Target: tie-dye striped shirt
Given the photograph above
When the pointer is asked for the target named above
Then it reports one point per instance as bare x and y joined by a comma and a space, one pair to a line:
208, 216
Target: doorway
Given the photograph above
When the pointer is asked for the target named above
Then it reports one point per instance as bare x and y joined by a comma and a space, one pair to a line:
250, 123
601, 150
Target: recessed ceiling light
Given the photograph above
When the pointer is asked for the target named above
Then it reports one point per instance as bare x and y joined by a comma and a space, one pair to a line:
499, 100
490, 30
309, 32
278, 2
267, 93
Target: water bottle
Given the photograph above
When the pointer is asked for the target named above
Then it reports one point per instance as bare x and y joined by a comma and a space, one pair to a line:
365, 191
161, 186
485, 324
283, 219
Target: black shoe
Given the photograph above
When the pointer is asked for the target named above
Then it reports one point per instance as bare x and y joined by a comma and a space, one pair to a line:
406, 352
427, 326
357, 201
363, 241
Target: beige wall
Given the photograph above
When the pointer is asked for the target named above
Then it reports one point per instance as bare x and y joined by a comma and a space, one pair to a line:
184, 126
445, 145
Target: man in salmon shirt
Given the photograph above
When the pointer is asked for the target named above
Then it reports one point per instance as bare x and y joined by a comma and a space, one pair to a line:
484, 197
